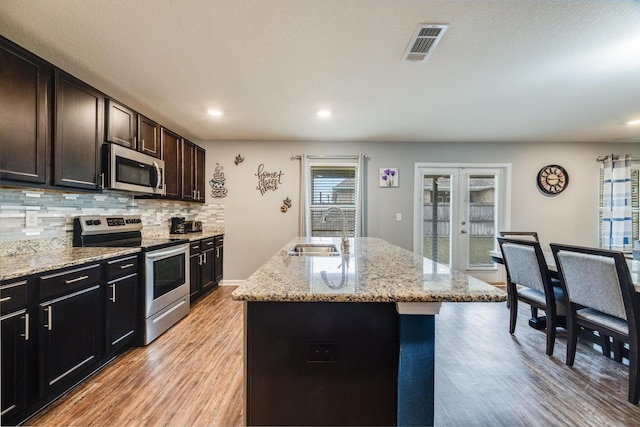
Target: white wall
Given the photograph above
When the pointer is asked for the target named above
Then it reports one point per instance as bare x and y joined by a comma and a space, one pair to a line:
255, 228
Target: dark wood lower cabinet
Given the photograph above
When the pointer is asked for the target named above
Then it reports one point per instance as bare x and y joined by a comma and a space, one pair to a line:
121, 313
69, 338
321, 363
14, 363
202, 267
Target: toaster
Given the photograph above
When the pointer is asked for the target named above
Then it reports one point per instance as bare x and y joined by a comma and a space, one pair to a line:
193, 226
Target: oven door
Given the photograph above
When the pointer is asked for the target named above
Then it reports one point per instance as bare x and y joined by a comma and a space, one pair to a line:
167, 277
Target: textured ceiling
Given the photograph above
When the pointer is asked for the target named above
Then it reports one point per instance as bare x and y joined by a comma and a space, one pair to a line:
519, 70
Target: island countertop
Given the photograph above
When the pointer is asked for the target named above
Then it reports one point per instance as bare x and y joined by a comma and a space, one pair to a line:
373, 271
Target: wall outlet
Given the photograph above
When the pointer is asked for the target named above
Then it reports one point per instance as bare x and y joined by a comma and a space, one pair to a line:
398, 217
31, 218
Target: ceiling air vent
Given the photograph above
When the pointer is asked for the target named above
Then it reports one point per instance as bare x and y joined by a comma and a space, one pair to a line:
424, 41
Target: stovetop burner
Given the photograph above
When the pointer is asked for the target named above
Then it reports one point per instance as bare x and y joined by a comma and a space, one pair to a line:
117, 231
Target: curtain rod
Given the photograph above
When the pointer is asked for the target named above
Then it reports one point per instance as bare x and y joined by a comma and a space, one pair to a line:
614, 157
338, 156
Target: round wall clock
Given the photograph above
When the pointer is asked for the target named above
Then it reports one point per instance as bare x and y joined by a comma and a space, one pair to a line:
552, 179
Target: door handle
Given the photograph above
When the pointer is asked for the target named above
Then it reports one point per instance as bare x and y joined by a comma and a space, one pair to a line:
26, 327
49, 324
113, 293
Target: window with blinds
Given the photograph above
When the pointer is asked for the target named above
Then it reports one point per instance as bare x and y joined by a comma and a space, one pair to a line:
635, 203
333, 186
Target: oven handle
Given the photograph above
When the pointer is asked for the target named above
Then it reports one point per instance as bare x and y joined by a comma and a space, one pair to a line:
162, 253
158, 177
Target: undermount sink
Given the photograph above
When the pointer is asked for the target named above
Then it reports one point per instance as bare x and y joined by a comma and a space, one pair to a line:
314, 249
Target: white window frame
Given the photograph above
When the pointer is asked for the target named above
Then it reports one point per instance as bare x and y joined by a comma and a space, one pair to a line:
328, 161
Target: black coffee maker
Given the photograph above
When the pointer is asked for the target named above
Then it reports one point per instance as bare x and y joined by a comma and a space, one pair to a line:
177, 225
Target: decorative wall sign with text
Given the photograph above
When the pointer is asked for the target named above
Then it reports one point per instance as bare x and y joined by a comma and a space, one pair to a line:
268, 180
217, 183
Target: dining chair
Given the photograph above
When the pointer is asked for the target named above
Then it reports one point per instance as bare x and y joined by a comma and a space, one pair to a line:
601, 296
522, 235
529, 281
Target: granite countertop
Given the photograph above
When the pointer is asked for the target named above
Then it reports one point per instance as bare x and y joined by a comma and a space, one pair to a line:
53, 258
374, 271
15, 266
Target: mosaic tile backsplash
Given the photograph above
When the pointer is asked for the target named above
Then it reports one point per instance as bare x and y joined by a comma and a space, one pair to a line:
55, 212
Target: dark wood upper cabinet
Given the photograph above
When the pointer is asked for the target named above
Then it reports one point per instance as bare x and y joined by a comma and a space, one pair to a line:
121, 124
188, 170
200, 180
25, 83
172, 156
78, 133
149, 137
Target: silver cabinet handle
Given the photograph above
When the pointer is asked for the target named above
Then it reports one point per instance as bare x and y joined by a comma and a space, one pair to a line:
209, 243
49, 324
218, 252
77, 279
113, 293
201, 260
26, 327
5, 299
122, 267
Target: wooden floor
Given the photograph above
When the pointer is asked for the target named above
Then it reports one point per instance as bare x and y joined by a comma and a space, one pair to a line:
193, 376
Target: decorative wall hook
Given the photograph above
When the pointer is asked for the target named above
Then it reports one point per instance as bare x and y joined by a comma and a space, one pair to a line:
287, 204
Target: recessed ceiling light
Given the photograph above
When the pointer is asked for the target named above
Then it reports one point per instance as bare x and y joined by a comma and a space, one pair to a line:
634, 122
324, 113
216, 113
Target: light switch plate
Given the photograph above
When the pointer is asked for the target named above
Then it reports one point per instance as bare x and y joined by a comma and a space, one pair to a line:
398, 217
31, 218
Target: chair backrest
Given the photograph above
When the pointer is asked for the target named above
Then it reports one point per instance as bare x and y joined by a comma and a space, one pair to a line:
525, 263
522, 235
595, 278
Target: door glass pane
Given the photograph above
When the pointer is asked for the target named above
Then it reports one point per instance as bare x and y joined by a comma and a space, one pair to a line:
436, 243
482, 219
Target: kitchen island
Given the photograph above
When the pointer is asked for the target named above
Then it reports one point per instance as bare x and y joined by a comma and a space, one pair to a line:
347, 339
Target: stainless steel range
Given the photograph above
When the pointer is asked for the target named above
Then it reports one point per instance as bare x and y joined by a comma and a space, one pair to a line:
165, 279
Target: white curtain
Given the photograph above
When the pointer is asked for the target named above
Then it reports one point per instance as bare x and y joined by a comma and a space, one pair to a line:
616, 193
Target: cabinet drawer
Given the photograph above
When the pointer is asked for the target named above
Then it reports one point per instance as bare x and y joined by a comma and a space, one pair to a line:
121, 267
13, 296
219, 240
194, 247
68, 281
208, 243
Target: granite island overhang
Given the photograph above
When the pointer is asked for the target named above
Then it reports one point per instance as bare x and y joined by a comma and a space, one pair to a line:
368, 360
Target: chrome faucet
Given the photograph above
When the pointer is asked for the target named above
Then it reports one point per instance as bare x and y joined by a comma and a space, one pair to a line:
345, 242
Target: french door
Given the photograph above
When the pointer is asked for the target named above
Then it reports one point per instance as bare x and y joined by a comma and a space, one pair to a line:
458, 212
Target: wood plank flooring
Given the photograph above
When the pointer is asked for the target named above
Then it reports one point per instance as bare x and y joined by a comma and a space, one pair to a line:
193, 376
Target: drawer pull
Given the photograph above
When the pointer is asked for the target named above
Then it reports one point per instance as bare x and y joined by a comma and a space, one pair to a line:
122, 267
77, 279
209, 243
26, 327
5, 299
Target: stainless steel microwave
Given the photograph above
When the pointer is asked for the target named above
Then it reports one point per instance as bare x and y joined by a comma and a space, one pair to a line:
129, 170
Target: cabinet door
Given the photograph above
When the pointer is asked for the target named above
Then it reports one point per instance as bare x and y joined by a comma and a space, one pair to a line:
148, 137
207, 278
188, 171
14, 363
200, 174
24, 115
172, 156
69, 338
194, 276
218, 262
121, 124
121, 312
78, 134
